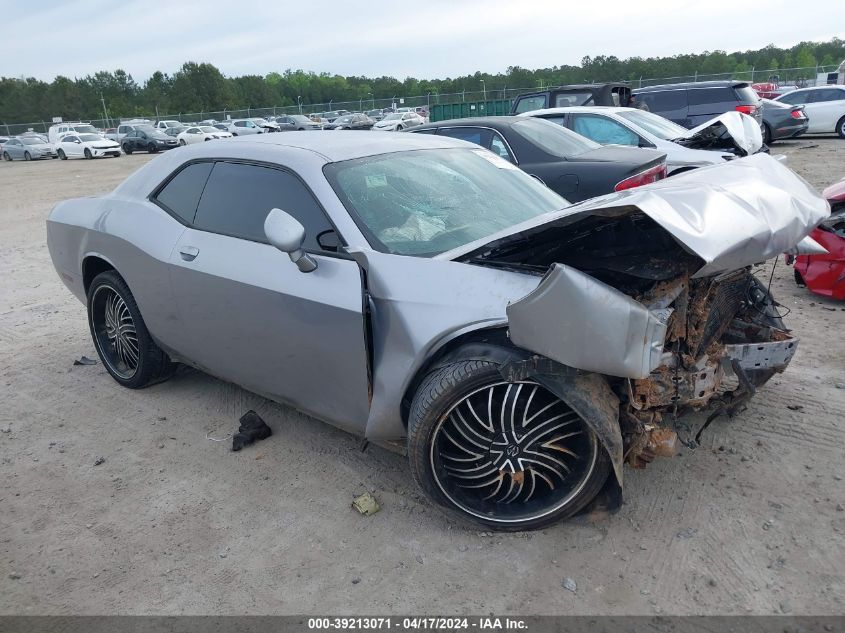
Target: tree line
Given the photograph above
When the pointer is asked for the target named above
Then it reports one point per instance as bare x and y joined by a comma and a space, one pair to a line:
201, 87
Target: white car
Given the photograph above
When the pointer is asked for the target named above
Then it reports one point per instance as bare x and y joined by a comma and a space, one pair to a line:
163, 125
398, 121
823, 105
610, 125
242, 127
86, 145
200, 133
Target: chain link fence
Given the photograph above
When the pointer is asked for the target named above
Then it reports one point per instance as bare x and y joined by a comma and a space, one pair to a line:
801, 77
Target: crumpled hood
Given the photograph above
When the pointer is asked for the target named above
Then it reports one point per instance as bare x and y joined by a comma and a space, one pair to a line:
732, 128
730, 216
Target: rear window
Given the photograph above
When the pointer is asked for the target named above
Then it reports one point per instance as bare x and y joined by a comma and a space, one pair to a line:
573, 99
554, 139
664, 100
710, 96
746, 94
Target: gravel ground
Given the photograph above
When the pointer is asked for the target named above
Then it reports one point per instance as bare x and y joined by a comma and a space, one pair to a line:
172, 523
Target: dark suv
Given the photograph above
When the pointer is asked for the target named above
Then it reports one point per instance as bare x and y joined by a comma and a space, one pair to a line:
691, 104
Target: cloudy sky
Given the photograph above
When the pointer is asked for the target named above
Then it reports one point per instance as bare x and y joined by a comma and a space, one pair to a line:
418, 38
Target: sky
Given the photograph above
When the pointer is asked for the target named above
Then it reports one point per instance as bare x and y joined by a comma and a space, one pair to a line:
425, 39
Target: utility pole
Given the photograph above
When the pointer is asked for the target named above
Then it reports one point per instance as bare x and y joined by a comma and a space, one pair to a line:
105, 113
484, 88
299, 102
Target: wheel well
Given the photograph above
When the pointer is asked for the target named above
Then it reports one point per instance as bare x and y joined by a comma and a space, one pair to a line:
91, 267
493, 338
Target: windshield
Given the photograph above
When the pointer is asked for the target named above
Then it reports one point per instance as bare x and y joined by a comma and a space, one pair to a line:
343, 119
554, 139
654, 124
393, 116
209, 130
32, 141
426, 202
85, 128
87, 138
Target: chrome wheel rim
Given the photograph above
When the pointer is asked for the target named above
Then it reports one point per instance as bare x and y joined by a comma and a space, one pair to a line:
115, 332
512, 452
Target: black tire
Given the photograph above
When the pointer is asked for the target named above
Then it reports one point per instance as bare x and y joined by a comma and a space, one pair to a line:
152, 148
183, 143
438, 403
840, 127
127, 149
767, 134
88, 154
145, 362
62, 154
6, 156
27, 156
234, 133
799, 280
399, 128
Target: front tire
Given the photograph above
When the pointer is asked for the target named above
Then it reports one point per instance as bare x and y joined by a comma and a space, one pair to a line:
62, 154
767, 134
127, 149
511, 456
182, 142
88, 154
120, 335
27, 156
6, 156
152, 148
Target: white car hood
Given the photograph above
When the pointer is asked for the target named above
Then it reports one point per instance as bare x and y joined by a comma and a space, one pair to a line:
742, 130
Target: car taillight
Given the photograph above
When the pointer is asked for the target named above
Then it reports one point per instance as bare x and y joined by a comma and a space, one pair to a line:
798, 114
747, 109
643, 178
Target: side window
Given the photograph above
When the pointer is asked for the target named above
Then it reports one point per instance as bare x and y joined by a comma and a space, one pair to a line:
603, 130
182, 194
471, 134
665, 100
560, 119
121, 129
827, 94
531, 103
498, 146
240, 123
238, 198
428, 131
70, 138
708, 96
794, 98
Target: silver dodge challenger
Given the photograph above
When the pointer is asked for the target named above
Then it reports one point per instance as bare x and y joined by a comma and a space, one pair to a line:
421, 289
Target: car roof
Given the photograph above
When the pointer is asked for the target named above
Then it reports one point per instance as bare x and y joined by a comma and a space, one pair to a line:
495, 122
565, 109
345, 145
723, 83
837, 86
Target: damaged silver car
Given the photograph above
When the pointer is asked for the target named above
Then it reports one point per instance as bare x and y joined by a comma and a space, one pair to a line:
421, 289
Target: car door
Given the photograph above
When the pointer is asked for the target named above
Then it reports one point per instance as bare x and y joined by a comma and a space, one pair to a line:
14, 148
252, 317
72, 145
826, 106
671, 104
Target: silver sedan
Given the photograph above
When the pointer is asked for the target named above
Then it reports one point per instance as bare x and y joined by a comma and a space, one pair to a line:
422, 289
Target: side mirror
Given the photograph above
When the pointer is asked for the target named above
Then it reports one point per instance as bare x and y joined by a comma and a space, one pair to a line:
286, 233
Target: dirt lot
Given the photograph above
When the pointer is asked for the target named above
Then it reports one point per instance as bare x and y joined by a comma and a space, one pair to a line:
173, 523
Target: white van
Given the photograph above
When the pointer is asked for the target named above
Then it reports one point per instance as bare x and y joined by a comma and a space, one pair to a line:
57, 130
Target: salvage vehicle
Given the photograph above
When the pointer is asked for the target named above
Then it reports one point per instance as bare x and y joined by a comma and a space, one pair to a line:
351, 122
570, 164
782, 120
691, 104
720, 139
145, 138
73, 144
823, 105
824, 273
398, 121
540, 346
200, 133
27, 148
609, 94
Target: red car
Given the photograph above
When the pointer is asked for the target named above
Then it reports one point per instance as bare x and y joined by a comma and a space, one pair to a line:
825, 274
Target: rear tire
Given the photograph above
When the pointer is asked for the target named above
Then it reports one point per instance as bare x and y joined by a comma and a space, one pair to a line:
120, 335
840, 127
505, 475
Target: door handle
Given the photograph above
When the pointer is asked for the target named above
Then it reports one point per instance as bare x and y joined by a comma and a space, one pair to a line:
189, 253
